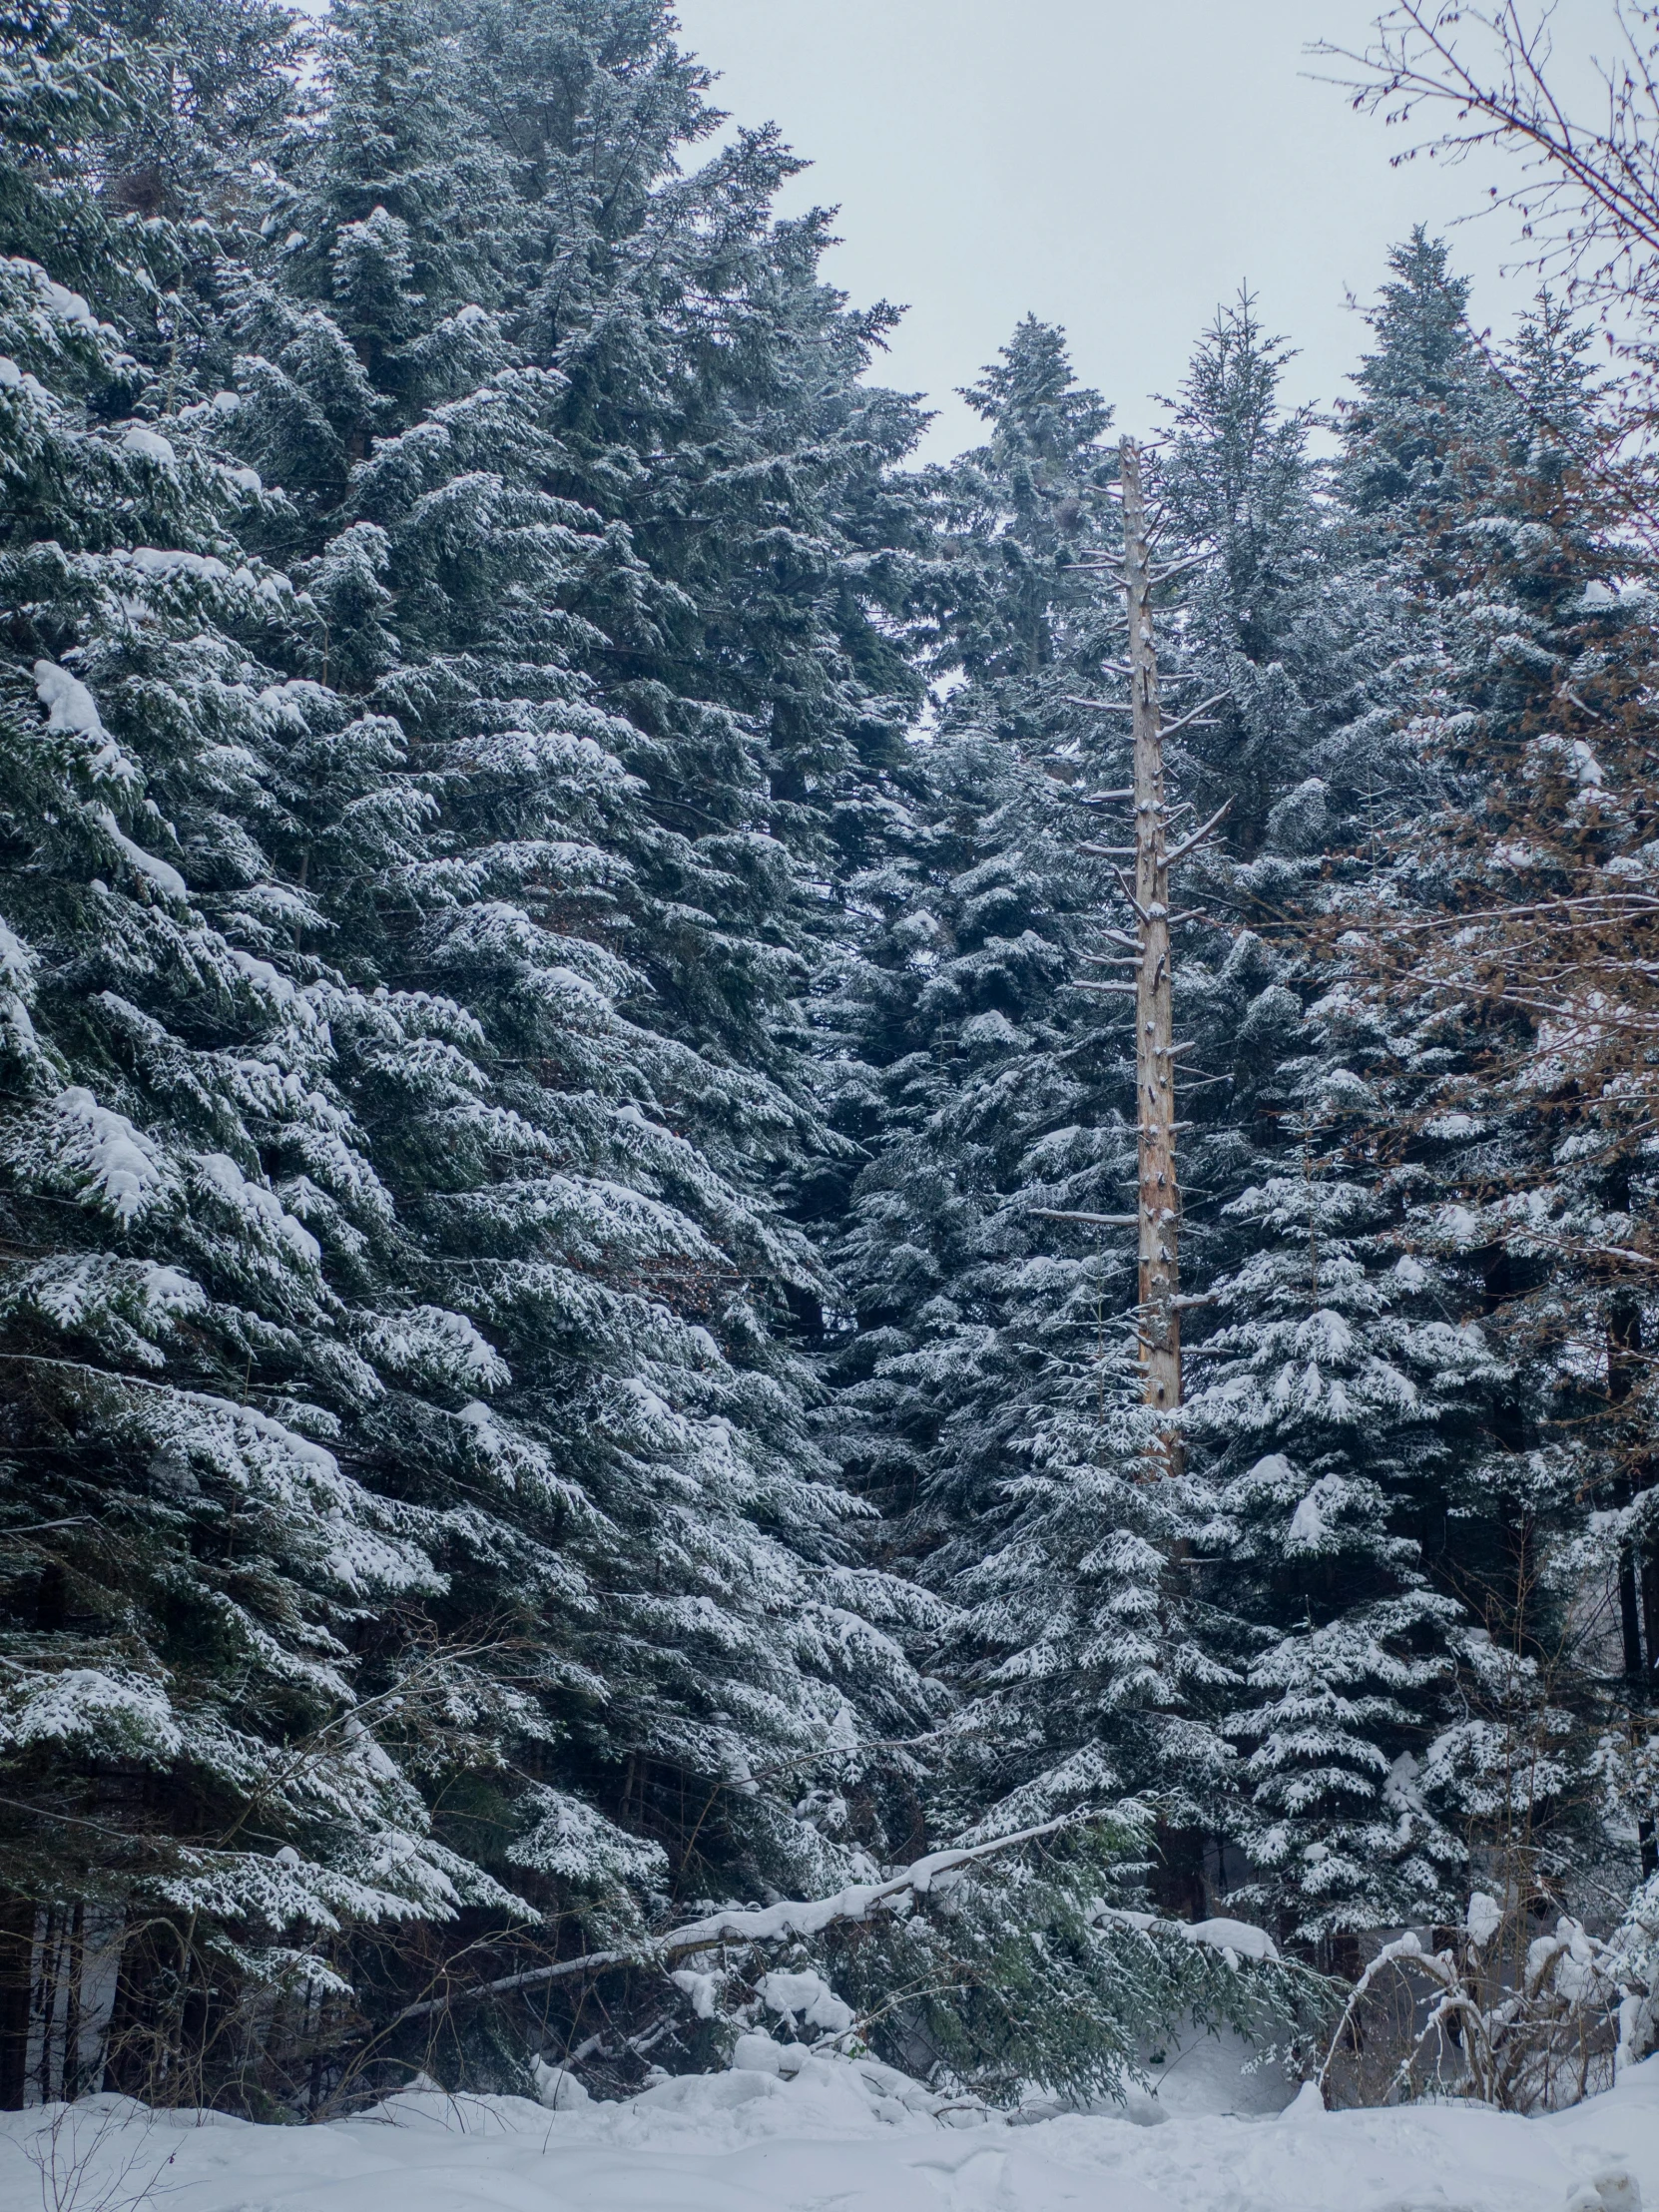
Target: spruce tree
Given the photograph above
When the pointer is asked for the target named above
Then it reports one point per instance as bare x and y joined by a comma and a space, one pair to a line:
619, 953
1514, 710
1431, 1651
394, 1028
193, 1737
1325, 1393
992, 1381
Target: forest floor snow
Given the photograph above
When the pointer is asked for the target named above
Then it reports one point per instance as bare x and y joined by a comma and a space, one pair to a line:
835, 2138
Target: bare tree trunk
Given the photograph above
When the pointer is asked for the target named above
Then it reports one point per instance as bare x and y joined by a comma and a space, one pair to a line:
75, 1973
1158, 1205
1624, 1345
51, 1949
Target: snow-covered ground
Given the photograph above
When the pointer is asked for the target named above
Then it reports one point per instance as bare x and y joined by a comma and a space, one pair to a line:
838, 2137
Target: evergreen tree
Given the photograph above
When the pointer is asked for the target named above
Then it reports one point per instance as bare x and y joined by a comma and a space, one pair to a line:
1263, 629
1335, 1404
992, 1381
1324, 1391
607, 1209
352, 1049
1514, 710
1374, 1326
190, 1568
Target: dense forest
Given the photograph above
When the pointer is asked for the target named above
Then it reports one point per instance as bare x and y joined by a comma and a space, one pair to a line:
573, 1466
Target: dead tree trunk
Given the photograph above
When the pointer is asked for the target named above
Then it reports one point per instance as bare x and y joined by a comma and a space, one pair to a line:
1157, 1215
1157, 1209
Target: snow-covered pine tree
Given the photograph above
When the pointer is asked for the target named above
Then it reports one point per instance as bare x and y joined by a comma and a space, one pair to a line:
1261, 630
1318, 1378
1335, 1404
467, 1225
200, 1788
1516, 1100
992, 1383
588, 719
716, 411
989, 1394
1414, 1692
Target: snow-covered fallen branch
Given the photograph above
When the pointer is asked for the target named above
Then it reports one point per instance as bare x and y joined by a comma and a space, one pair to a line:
765, 1923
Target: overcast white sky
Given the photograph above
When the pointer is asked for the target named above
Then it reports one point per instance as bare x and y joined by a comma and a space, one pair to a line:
1115, 166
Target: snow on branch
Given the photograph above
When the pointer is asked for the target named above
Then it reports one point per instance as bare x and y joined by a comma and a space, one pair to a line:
1234, 1940
756, 1925
771, 1923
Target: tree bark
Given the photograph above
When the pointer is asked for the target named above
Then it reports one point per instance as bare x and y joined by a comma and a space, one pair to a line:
1159, 1321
